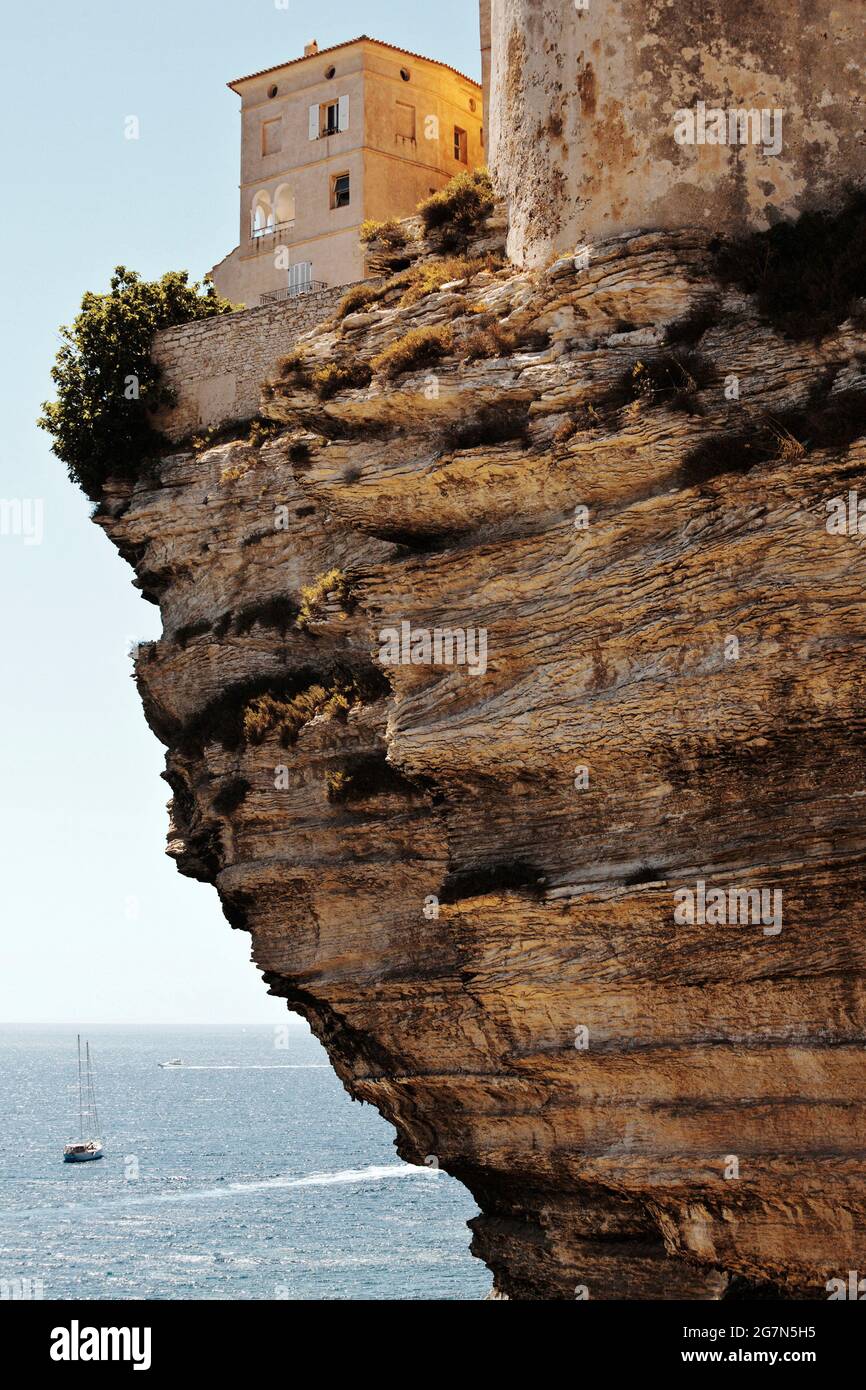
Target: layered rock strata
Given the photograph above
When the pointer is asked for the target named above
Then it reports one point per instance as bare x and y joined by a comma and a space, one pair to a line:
467, 880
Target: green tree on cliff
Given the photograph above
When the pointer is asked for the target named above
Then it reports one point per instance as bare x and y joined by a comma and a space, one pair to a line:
107, 386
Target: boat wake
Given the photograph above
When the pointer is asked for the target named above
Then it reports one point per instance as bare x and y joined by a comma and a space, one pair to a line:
375, 1173
252, 1066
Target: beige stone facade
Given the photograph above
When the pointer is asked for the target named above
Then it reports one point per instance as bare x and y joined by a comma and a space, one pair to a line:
609, 117
361, 130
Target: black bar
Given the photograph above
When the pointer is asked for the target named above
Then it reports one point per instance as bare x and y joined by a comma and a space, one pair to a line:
659, 1340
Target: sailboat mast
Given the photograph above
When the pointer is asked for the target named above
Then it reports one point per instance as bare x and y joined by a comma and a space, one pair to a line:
91, 1096
80, 1095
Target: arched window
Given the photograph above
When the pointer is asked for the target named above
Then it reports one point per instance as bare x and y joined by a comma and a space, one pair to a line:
284, 205
262, 215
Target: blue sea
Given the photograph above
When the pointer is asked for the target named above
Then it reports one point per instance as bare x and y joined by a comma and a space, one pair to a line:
246, 1174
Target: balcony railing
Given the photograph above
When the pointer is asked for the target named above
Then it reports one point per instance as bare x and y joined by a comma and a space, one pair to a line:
261, 236
292, 291
274, 227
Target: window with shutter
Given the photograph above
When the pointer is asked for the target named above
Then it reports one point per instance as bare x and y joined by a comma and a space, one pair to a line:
329, 118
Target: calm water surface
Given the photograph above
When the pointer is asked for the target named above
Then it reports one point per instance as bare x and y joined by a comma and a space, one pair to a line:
246, 1174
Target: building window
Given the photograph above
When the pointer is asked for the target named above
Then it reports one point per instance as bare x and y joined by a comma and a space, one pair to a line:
340, 191
461, 148
405, 74
405, 120
330, 72
271, 137
329, 118
272, 92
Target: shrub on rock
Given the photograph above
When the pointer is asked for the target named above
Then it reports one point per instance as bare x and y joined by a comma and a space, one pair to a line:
107, 386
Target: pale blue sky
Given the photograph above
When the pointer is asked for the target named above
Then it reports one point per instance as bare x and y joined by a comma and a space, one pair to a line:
97, 925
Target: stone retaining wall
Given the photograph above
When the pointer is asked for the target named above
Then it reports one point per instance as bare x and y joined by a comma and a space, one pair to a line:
216, 366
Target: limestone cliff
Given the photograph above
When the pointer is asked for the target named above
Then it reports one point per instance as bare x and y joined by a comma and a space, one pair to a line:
466, 881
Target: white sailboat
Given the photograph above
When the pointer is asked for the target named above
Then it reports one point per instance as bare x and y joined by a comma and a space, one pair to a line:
88, 1145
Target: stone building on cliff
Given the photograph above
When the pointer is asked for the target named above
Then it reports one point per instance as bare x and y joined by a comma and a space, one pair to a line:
360, 130
595, 119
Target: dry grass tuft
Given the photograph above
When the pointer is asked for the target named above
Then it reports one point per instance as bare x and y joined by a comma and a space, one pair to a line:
390, 233
333, 584
340, 376
420, 347
292, 365
286, 717
234, 472
260, 430
674, 380
788, 446
431, 275
337, 785
456, 213
492, 341
357, 298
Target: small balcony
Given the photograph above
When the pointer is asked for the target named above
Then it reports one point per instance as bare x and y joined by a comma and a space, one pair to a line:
292, 291
262, 237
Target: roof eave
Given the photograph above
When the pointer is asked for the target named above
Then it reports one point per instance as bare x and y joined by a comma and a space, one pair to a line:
234, 85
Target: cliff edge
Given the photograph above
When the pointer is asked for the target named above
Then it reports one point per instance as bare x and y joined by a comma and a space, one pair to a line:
504, 888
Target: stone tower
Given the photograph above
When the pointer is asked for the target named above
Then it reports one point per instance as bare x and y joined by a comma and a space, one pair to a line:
612, 115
